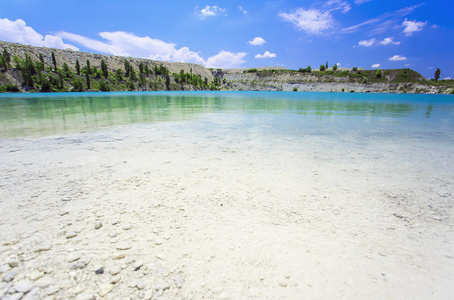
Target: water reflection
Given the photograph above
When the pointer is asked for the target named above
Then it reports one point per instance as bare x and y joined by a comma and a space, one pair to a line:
44, 114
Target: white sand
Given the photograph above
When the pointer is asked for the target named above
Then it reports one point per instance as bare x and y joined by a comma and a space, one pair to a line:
210, 213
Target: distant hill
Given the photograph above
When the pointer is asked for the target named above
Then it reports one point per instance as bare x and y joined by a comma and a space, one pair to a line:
32, 69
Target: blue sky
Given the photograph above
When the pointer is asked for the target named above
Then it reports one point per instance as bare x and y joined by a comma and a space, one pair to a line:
371, 34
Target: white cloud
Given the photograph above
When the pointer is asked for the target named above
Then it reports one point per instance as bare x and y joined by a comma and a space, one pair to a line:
267, 54
18, 32
383, 22
257, 41
397, 58
210, 11
374, 66
366, 43
242, 10
371, 42
127, 44
225, 60
389, 40
312, 21
412, 26
332, 5
338, 64
359, 2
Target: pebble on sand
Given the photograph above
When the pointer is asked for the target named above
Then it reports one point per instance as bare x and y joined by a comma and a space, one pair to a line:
105, 289
9, 276
23, 286
114, 270
35, 275
42, 247
71, 235
118, 256
115, 279
98, 225
123, 246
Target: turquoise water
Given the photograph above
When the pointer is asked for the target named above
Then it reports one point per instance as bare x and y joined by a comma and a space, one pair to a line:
289, 113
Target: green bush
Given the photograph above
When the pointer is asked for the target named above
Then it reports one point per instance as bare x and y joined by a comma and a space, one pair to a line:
9, 88
78, 85
103, 86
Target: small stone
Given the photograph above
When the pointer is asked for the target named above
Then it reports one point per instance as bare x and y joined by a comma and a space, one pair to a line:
148, 295
105, 289
100, 271
23, 286
76, 290
158, 242
32, 294
179, 281
81, 264
115, 279
130, 260
35, 275
136, 268
115, 222
45, 282
114, 270
4, 268
123, 246
73, 257
98, 225
112, 234
86, 297
9, 276
15, 296
71, 235
162, 285
127, 227
282, 283
118, 256
52, 290
138, 264
11, 242
13, 263
42, 247
140, 284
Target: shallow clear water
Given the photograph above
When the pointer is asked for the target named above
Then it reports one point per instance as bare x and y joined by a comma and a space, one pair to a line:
282, 113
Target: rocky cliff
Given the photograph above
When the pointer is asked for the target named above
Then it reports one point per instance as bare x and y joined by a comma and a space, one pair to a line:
345, 80
197, 77
113, 62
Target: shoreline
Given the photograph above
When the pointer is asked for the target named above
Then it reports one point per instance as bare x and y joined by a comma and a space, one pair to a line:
181, 210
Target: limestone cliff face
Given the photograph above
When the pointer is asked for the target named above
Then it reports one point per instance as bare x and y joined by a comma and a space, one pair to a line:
113, 62
260, 79
279, 79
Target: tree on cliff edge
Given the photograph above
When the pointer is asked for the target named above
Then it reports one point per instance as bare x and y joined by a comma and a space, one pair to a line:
104, 70
54, 61
437, 74
87, 75
77, 67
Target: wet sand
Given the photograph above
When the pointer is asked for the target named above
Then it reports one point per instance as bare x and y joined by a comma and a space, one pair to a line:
182, 211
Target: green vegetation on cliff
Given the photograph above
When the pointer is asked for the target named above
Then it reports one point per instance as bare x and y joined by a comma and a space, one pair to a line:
35, 78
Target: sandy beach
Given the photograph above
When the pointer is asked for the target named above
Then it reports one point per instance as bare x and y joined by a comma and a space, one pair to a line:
182, 211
